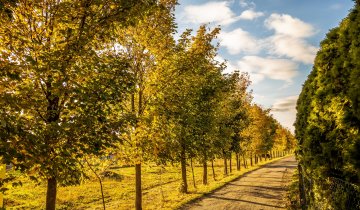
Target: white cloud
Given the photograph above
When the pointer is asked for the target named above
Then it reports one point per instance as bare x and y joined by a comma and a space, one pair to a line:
238, 41
245, 3
285, 104
260, 68
218, 12
250, 14
289, 38
287, 25
255, 78
292, 47
284, 110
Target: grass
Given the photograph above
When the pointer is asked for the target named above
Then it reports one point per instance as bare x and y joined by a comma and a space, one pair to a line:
160, 189
293, 194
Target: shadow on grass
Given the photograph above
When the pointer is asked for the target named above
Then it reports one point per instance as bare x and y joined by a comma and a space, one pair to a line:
160, 184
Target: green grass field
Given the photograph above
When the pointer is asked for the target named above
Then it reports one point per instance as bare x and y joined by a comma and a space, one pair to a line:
160, 189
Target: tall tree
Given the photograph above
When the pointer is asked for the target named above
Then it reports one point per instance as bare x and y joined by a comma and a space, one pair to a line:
232, 116
145, 45
61, 84
261, 130
186, 101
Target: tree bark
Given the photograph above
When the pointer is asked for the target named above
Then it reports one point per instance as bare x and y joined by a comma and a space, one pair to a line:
237, 161
205, 173
230, 164
184, 186
213, 170
138, 199
244, 160
100, 182
51, 194
225, 166
251, 160
192, 171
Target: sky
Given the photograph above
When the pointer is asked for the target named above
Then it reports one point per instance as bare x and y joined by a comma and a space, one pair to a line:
275, 41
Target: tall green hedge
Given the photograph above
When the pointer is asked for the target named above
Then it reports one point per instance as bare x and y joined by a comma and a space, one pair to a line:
328, 118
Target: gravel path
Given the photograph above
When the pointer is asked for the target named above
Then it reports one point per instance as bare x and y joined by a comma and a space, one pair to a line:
263, 188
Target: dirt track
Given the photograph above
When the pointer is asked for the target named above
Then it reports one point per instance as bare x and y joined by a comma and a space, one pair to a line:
259, 189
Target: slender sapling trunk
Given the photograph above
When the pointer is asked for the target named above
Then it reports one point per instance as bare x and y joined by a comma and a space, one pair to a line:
213, 170
192, 171
138, 199
230, 164
51, 194
184, 185
205, 173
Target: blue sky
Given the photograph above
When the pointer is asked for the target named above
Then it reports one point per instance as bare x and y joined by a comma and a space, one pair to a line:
275, 41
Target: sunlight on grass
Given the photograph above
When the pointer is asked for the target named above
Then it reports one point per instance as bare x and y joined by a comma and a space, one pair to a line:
160, 189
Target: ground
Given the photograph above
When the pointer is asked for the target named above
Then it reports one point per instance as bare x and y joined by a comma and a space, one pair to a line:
160, 189
263, 188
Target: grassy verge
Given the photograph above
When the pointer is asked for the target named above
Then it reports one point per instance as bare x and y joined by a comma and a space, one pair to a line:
292, 195
160, 189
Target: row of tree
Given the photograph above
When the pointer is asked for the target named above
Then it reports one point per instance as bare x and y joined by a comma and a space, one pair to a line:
328, 121
84, 77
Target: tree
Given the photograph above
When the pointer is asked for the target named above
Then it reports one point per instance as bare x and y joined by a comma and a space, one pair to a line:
327, 124
232, 117
145, 45
261, 130
61, 84
190, 80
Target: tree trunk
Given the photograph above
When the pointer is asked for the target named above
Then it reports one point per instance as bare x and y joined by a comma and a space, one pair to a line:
100, 182
230, 163
192, 171
138, 199
225, 166
51, 194
260, 157
251, 160
205, 173
265, 156
184, 185
244, 160
213, 170
237, 162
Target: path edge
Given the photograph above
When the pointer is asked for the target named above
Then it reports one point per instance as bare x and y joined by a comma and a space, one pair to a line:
203, 195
